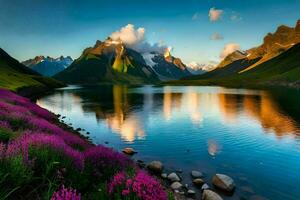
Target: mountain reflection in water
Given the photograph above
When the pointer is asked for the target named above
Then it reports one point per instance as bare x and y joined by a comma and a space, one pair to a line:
126, 111
213, 129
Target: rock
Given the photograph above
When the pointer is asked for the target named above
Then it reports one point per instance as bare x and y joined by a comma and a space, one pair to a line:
155, 167
129, 151
210, 195
106, 142
164, 175
198, 182
173, 177
179, 171
186, 186
205, 186
196, 174
223, 182
87, 133
176, 186
78, 129
191, 192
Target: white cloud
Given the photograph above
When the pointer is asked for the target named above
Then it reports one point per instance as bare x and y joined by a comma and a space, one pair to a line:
129, 35
215, 14
216, 36
135, 39
228, 49
235, 16
195, 16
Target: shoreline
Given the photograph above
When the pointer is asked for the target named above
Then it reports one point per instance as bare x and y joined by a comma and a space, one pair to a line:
41, 126
173, 185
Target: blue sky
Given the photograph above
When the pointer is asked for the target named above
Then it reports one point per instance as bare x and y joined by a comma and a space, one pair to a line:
66, 27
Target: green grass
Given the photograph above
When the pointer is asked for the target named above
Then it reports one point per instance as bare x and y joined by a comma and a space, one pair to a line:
16, 76
282, 70
13, 80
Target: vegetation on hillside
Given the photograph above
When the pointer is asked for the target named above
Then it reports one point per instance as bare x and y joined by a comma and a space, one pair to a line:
281, 70
16, 77
43, 159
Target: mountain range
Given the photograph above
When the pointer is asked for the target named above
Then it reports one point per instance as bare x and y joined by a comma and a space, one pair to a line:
112, 61
275, 62
17, 77
48, 66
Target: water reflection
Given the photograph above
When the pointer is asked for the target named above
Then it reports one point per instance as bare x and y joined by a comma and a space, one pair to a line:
213, 129
125, 110
213, 147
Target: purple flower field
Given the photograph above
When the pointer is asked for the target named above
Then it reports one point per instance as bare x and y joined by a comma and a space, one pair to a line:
35, 146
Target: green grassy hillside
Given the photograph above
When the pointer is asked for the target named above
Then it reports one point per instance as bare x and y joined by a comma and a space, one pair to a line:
281, 70
16, 77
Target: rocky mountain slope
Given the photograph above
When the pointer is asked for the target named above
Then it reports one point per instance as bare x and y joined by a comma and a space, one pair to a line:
48, 66
112, 61
269, 61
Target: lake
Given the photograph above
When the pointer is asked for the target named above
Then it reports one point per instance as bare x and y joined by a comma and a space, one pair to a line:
251, 135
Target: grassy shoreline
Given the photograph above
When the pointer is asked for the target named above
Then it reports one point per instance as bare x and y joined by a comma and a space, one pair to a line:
41, 158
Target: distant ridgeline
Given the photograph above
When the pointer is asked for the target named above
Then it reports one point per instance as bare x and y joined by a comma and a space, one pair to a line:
48, 66
112, 61
17, 77
275, 62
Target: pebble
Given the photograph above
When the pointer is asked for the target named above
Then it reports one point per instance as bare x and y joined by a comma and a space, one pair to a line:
129, 151
223, 182
173, 177
155, 167
196, 174
176, 186
198, 182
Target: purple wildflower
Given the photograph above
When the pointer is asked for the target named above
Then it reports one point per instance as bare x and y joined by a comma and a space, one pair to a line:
117, 181
13, 98
4, 124
29, 139
144, 186
104, 158
66, 194
69, 138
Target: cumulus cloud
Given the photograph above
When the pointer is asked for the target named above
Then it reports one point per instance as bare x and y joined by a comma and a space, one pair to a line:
228, 49
216, 36
215, 14
135, 39
129, 35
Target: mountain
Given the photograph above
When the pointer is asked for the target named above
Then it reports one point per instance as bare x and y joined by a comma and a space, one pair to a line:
198, 69
275, 43
48, 66
234, 56
283, 69
108, 61
17, 77
111, 61
270, 63
166, 66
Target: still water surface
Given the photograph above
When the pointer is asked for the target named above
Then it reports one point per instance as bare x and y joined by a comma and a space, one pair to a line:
251, 135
